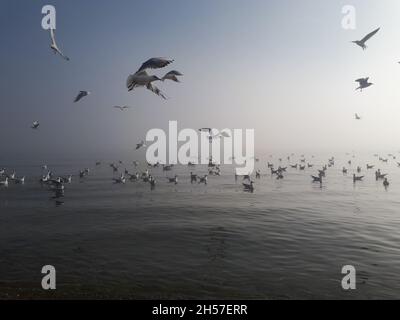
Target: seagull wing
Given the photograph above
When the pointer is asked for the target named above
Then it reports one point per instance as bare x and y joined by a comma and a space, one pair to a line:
54, 44
155, 63
174, 73
79, 96
156, 90
370, 35
53, 37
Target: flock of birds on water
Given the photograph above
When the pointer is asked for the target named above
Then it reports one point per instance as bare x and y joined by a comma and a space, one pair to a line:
141, 78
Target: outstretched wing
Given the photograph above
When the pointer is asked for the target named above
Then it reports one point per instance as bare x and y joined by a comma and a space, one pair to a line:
79, 96
362, 80
174, 73
53, 37
155, 90
370, 35
155, 63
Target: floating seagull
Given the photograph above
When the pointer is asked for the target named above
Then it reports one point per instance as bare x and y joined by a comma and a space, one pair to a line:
204, 179
386, 183
249, 187
363, 82
4, 183
67, 179
54, 46
173, 180
120, 180
172, 75
356, 178
143, 79
152, 182
35, 125
122, 108
317, 179
362, 42
357, 117
81, 95
155, 63
141, 144
193, 177
20, 180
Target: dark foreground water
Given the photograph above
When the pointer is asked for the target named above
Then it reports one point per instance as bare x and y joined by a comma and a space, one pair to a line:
289, 239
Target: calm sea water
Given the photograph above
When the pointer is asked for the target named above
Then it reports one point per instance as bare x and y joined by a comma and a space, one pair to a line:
289, 239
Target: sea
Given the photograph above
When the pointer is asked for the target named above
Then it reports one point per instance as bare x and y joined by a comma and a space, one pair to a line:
288, 239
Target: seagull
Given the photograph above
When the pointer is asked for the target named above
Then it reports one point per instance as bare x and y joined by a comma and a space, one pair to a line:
155, 63
172, 75
122, 108
193, 177
386, 183
225, 134
54, 46
204, 179
357, 117
317, 179
249, 187
81, 95
141, 144
356, 178
120, 180
4, 183
205, 130
173, 180
20, 180
35, 125
143, 79
363, 82
362, 42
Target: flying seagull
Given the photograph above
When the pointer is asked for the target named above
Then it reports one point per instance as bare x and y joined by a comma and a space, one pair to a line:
81, 95
362, 42
35, 125
141, 144
357, 117
363, 82
172, 75
143, 79
155, 63
54, 46
122, 108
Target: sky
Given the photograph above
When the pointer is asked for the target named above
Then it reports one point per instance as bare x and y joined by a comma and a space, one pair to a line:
285, 68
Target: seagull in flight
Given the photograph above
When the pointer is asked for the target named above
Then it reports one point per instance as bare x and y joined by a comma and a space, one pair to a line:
364, 83
141, 144
155, 63
357, 117
35, 125
172, 75
122, 108
81, 95
54, 46
362, 42
143, 79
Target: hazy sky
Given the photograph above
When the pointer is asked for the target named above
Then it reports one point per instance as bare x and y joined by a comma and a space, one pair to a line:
283, 67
